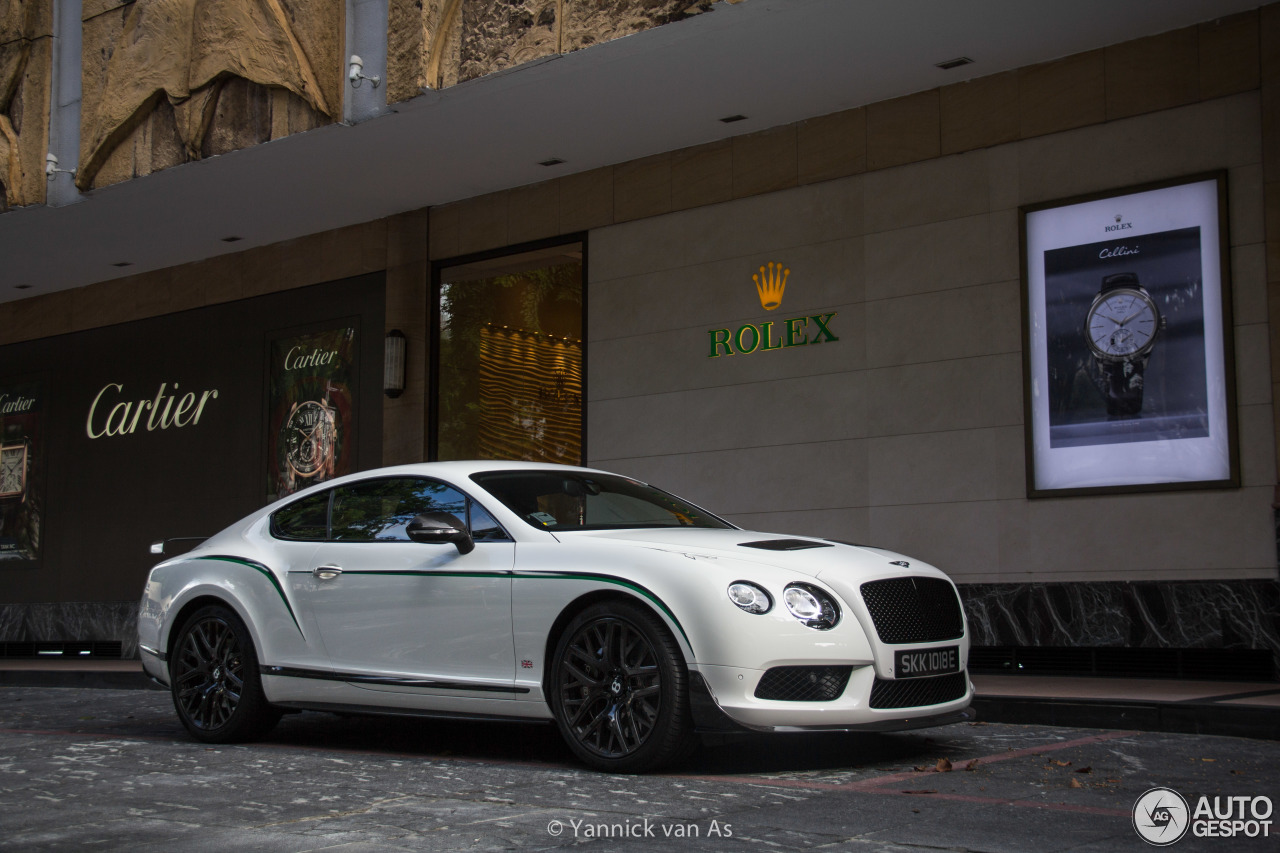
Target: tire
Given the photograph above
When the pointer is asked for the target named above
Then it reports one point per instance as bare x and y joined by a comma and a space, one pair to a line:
217, 689
619, 689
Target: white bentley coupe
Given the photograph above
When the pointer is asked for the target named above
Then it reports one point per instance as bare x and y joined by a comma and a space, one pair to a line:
525, 591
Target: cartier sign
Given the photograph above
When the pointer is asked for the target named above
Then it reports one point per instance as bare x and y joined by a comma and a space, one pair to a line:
111, 413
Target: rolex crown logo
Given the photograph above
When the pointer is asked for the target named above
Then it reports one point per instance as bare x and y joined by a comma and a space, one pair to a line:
770, 284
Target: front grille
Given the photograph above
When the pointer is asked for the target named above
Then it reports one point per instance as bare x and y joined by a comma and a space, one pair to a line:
914, 609
916, 692
803, 683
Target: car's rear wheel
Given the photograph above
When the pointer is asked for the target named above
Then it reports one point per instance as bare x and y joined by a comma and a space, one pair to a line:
619, 689
217, 689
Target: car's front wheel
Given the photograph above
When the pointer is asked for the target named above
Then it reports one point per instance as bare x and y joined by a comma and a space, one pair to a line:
619, 689
217, 689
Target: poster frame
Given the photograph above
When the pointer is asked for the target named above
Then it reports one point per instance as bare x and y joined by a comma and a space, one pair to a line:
1163, 466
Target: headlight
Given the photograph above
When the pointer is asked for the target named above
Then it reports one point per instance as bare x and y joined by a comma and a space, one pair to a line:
812, 606
750, 597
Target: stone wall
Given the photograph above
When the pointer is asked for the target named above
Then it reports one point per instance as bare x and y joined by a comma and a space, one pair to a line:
26, 50
170, 81
439, 43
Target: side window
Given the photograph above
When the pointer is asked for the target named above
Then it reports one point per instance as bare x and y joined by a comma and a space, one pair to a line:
484, 528
379, 510
306, 519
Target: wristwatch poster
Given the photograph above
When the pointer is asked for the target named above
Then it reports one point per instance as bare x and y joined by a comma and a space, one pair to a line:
1120, 328
21, 495
1127, 344
311, 409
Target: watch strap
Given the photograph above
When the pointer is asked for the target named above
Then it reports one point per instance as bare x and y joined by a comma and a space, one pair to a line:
1120, 279
1121, 385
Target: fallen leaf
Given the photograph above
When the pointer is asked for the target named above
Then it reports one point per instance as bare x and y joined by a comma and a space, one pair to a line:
925, 769
915, 811
972, 765
1208, 759
944, 765
925, 791
1084, 770
1113, 781
1075, 783
1060, 763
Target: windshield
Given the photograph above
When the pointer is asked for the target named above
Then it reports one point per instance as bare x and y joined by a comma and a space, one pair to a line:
560, 500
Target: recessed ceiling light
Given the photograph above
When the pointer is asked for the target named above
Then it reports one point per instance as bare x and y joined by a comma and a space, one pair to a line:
232, 239
954, 63
553, 161
123, 264
731, 119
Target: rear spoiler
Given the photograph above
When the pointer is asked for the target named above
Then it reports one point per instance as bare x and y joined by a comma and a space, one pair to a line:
158, 546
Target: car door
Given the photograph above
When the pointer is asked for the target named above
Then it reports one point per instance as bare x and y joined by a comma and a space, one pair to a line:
409, 616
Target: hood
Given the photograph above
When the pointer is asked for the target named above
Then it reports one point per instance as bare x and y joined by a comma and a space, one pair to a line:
804, 554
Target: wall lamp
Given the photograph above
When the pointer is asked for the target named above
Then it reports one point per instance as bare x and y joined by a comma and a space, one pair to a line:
355, 73
393, 362
51, 169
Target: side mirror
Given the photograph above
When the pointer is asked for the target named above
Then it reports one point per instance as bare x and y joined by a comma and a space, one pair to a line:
436, 528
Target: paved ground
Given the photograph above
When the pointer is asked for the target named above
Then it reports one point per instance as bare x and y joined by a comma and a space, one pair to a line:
112, 770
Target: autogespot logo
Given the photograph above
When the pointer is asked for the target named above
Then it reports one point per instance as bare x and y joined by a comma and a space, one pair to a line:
1160, 817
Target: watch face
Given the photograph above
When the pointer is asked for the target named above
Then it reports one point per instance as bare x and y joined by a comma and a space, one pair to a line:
13, 469
309, 437
1122, 324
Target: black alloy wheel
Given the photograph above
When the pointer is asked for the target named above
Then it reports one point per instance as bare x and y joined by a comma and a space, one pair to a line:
217, 690
619, 689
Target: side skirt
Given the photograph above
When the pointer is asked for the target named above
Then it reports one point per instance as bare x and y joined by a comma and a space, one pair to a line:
383, 711
389, 681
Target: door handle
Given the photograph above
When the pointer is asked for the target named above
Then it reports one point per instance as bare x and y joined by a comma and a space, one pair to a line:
326, 573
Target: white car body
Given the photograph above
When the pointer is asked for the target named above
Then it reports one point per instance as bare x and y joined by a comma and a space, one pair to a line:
406, 627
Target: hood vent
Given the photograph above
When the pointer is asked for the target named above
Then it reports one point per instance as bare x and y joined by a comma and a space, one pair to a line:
784, 544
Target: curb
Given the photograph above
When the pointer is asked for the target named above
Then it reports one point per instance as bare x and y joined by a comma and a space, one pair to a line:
1203, 718
101, 679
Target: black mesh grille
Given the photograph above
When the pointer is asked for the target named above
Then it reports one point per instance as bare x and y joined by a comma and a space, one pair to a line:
803, 683
915, 692
914, 610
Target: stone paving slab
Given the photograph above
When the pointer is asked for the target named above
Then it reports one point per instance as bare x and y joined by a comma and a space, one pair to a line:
113, 770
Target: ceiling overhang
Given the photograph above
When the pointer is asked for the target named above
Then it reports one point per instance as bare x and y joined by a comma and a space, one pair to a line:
773, 61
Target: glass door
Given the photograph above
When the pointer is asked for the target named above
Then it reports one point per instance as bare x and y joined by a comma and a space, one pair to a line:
507, 378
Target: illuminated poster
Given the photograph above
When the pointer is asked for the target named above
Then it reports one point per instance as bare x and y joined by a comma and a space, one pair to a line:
311, 425
1128, 355
21, 427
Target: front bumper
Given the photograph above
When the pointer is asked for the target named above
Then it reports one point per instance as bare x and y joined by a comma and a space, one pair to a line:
730, 691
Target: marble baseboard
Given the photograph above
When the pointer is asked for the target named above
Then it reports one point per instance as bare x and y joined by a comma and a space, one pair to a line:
1168, 614
73, 621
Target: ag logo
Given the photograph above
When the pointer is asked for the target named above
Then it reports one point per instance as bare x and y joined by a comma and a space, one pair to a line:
1161, 817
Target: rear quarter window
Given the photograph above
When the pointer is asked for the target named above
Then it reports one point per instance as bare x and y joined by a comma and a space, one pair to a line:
306, 519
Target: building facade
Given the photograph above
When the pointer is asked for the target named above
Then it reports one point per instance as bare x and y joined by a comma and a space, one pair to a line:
848, 325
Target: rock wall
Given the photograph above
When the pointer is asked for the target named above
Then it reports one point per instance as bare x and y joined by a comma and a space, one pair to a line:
26, 51
170, 81
439, 43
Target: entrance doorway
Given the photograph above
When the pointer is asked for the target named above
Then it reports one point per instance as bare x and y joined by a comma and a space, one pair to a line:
507, 361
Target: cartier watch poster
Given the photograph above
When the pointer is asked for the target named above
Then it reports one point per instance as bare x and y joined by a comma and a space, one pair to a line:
1128, 340
21, 428
311, 409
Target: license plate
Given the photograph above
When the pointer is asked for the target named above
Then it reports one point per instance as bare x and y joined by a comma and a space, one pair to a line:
915, 663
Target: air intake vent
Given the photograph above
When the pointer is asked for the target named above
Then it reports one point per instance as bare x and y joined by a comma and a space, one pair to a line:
784, 544
918, 692
803, 683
